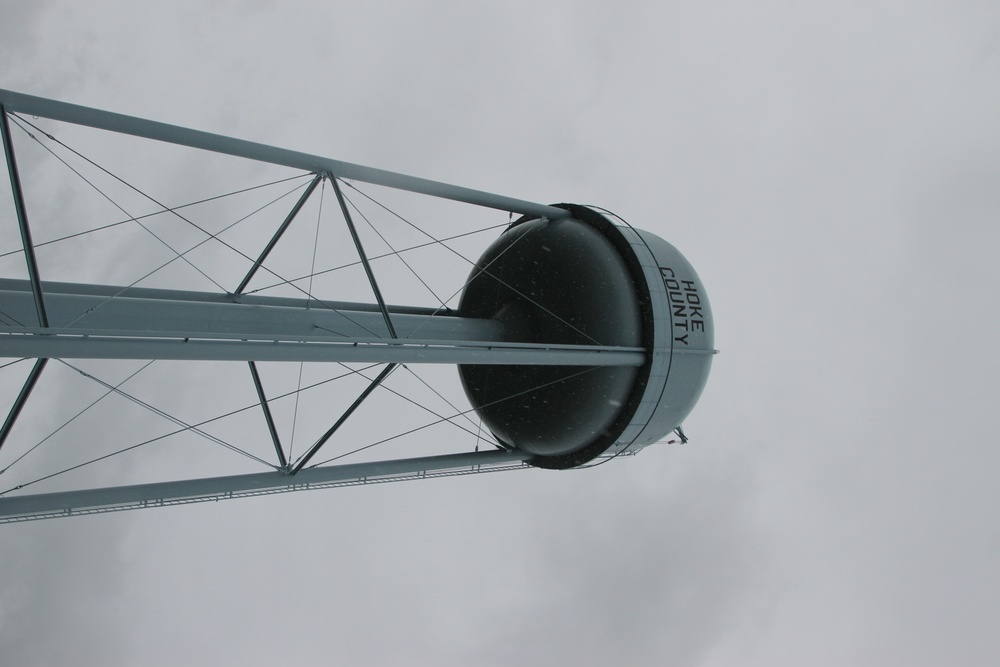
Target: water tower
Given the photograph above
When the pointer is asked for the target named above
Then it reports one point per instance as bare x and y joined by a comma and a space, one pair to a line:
575, 337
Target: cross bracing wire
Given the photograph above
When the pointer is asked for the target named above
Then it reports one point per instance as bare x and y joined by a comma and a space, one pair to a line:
349, 265
393, 252
111, 225
479, 270
419, 229
137, 190
114, 203
478, 434
131, 218
484, 270
309, 289
443, 419
256, 405
162, 413
69, 421
166, 209
199, 424
189, 250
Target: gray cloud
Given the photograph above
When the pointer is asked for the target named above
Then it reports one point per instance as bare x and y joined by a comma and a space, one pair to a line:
832, 175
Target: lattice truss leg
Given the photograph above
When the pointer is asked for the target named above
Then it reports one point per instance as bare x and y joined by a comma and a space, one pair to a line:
106, 234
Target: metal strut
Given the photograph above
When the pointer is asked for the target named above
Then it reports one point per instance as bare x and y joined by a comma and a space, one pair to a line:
272, 429
277, 235
347, 413
182, 136
363, 256
21, 399
29, 258
22, 219
111, 499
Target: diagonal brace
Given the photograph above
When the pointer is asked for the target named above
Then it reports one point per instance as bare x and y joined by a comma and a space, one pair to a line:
282, 460
277, 235
22, 218
354, 406
363, 256
21, 399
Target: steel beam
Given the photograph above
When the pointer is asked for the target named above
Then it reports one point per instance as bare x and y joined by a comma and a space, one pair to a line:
91, 322
166, 311
140, 127
67, 503
55, 345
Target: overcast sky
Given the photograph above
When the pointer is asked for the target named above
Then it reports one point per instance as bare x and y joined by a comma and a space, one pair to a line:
834, 176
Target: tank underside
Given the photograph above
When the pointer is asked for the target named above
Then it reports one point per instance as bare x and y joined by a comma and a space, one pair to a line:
579, 281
